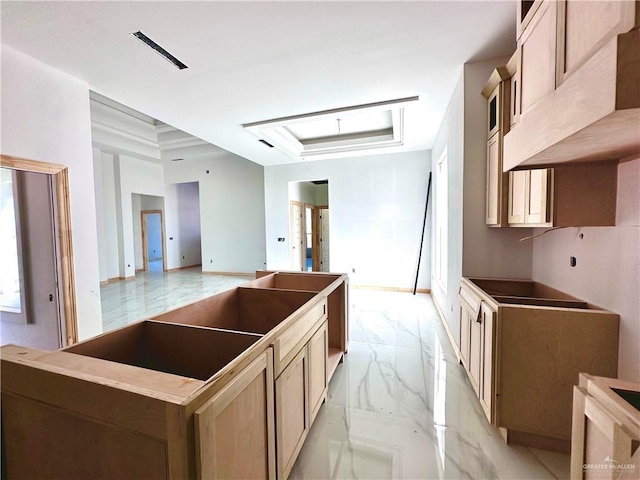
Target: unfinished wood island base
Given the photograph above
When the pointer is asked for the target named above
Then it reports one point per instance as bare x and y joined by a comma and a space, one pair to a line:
226, 387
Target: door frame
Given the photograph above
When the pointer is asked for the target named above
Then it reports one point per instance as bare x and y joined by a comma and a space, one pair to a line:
63, 239
302, 252
317, 237
145, 252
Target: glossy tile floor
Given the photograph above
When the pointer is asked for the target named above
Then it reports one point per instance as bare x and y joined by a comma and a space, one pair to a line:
154, 292
400, 406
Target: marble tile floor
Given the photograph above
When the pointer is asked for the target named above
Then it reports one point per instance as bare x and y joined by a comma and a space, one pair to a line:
401, 406
154, 292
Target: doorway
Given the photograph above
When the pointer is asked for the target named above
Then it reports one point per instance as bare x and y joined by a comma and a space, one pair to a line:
153, 249
309, 225
40, 284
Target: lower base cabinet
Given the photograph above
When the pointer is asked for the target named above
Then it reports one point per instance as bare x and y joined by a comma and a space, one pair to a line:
300, 391
292, 416
605, 441
224, 448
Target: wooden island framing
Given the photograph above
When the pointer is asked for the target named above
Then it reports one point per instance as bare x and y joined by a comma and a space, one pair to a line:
225, 387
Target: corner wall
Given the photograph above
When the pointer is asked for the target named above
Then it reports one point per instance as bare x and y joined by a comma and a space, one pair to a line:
45, 117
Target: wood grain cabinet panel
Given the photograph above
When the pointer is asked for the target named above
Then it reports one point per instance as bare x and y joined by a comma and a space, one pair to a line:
292, 412
235, 429
605, 442
517, 196
486, 390
497, 93
538, 62
584, 27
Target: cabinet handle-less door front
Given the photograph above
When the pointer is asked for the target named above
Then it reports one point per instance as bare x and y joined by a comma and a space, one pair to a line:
292, 413
234, 430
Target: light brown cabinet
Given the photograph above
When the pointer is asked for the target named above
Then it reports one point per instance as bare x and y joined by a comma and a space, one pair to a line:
226, 387
579, 195
578, 96
509, 345
292, 412
537, 47
246, 404
300, 391
477, 351
530, 197
497, 93
605, 442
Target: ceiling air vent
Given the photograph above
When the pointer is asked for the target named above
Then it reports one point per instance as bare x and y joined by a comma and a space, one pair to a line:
158, 49
266, 143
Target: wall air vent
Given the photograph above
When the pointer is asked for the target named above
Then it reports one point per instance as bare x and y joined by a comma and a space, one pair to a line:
266, 143
158, 49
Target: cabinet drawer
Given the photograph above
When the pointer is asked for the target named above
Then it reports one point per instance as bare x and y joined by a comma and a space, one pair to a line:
287, 345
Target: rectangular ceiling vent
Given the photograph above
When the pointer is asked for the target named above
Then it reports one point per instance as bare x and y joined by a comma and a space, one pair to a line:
177, 159
158, 49
266, 143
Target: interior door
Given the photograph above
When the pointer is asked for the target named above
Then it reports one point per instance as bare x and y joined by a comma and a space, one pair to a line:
37, 321
297, 241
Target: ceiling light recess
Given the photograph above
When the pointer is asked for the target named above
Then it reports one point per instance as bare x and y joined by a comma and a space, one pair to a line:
159, 50
337, 132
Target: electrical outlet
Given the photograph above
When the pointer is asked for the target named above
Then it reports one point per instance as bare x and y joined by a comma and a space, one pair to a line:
183, 257
353, 270
210, 261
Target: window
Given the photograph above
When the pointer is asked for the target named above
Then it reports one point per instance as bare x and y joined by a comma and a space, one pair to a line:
442, 207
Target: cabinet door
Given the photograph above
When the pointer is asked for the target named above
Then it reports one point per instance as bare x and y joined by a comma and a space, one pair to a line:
318, 347
599, 439
224, 449
494, 185
292, 414
517, 196
584, 27
465, 335
537, 188
487, 391
538, 57
475, 353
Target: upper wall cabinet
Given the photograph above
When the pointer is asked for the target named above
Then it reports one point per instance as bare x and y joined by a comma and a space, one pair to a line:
497, 92
578, 83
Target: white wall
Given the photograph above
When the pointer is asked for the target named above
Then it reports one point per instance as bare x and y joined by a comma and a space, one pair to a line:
377, 207
232, 213
45, 117
473, 248
607, 272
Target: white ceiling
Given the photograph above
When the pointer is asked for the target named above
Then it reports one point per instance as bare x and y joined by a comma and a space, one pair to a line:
255, 61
